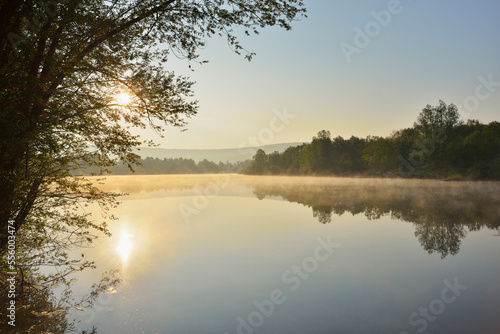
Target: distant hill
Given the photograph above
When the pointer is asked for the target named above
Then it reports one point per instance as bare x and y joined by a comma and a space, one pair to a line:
216, 155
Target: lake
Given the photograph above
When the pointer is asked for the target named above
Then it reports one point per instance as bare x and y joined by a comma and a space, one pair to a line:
266, 254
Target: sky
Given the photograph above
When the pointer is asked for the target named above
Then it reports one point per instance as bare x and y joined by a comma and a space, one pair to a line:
352, 67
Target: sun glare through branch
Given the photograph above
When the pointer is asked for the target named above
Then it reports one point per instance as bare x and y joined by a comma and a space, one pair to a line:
123, 98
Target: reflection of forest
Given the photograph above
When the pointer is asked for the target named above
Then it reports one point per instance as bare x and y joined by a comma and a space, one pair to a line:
35, 310
442, 212
38, 309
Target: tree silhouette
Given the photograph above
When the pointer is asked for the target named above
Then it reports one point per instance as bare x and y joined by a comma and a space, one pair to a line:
63, 67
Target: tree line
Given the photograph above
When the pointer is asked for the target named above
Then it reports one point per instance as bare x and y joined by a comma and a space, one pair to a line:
439, 145
151, 165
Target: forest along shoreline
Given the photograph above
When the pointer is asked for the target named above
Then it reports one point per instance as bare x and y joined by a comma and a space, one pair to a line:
439, 146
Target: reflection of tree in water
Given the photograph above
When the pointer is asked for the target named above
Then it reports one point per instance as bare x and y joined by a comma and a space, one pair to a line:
323, 213
37, 307
36, 311
444, 238
442, 212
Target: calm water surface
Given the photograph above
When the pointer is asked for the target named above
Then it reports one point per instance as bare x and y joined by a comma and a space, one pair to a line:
237, 254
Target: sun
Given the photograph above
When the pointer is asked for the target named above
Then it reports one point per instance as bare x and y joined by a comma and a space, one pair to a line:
123, 98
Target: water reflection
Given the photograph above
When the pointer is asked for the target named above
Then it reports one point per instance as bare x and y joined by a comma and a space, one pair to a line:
442, 213
236, 248
47, 308
200, 277
125, 246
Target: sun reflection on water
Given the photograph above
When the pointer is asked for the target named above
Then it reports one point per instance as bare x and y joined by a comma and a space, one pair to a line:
125, 246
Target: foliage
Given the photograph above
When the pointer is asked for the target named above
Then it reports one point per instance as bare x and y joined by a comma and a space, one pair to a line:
39, 310
174, 166
259, 163
433, 118
63, 65
438, 146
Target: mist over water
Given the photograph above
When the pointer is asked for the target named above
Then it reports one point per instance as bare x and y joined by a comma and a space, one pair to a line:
239, 254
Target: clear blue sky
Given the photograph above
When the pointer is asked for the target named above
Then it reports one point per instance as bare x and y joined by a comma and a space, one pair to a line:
429, 50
